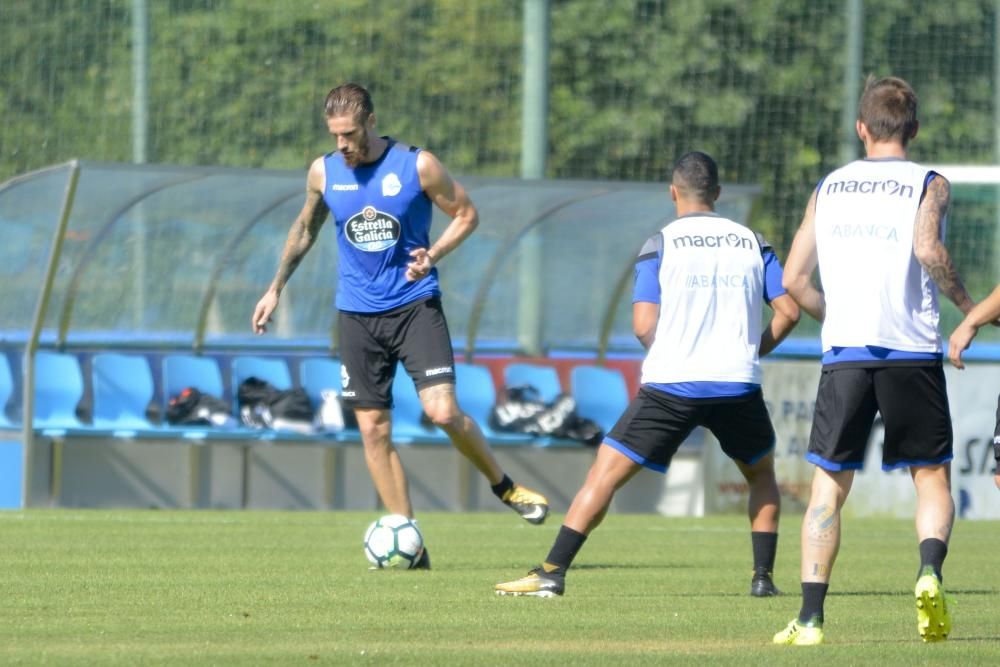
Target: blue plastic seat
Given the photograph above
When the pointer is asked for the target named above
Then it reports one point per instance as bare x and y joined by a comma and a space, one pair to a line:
477, 396
407, 411
58, 390
269, 369
601, 394
318, 375
123, 390
181, 371
6, 389
544, 378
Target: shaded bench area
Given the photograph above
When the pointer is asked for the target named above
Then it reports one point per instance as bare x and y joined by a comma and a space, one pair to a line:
125, 283
99, 439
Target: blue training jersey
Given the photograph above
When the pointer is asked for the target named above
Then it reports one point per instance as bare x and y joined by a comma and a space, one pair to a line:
382, 214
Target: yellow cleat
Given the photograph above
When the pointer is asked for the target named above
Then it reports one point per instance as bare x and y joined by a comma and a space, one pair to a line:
797, 634
933, 622
531, 505
537, 583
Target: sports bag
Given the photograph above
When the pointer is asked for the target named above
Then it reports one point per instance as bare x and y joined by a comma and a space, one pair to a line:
523, 411
263, 406
191, 407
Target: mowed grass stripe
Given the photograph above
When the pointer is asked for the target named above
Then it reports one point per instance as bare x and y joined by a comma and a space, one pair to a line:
148, 587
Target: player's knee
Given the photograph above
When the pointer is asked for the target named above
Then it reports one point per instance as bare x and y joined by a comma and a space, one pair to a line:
374, 433
763, 484
445, 416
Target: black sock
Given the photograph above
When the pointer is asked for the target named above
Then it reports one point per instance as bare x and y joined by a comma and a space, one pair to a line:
502, 487
813, 596
568, 543
932, 555
764, 547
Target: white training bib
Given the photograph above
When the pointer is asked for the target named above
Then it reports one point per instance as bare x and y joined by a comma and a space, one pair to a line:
877, 293
711, 294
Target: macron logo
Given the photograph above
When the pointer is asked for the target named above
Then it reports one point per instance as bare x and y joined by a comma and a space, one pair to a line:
431, 372
344, 187
890, 187
731, 240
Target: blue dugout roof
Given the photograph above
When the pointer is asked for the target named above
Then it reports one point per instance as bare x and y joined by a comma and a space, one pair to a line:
178, 256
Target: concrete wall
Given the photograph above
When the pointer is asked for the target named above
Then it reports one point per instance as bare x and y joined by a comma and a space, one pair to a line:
169, 474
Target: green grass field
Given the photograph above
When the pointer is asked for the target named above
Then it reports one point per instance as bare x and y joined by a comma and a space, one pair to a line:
154, 587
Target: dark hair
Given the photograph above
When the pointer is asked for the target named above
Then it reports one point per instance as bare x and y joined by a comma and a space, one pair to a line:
888, 108
696, 176
349, 98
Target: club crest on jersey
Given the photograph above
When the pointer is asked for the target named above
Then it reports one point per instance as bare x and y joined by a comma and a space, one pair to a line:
391, 185
372, 230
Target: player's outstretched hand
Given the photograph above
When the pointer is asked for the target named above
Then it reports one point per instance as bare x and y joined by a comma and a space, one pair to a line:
421, 264
262, 313
959, 342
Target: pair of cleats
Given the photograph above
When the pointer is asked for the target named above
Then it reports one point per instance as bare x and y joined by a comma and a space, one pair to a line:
933, 621
541, 584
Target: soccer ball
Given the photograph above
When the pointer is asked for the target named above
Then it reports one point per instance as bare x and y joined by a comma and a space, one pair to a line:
394, 541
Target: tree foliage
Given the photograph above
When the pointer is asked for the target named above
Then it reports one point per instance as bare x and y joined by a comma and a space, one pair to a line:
633, 84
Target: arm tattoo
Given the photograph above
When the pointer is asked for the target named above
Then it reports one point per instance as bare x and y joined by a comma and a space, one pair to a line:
301, 236
931, 251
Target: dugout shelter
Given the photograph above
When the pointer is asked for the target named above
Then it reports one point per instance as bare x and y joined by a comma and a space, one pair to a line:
154, 260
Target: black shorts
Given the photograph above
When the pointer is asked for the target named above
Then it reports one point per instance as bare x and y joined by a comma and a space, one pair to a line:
371, 345
912, 400
656, 423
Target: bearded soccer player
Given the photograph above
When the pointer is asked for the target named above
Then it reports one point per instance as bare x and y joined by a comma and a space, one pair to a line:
381, 193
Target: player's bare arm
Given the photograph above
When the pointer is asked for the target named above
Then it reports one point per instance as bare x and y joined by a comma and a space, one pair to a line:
644, 318
449, 196
801, 263
786, 316
930, 251
985, 312
301, 237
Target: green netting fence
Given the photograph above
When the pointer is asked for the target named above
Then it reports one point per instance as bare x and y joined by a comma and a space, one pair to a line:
761, 85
